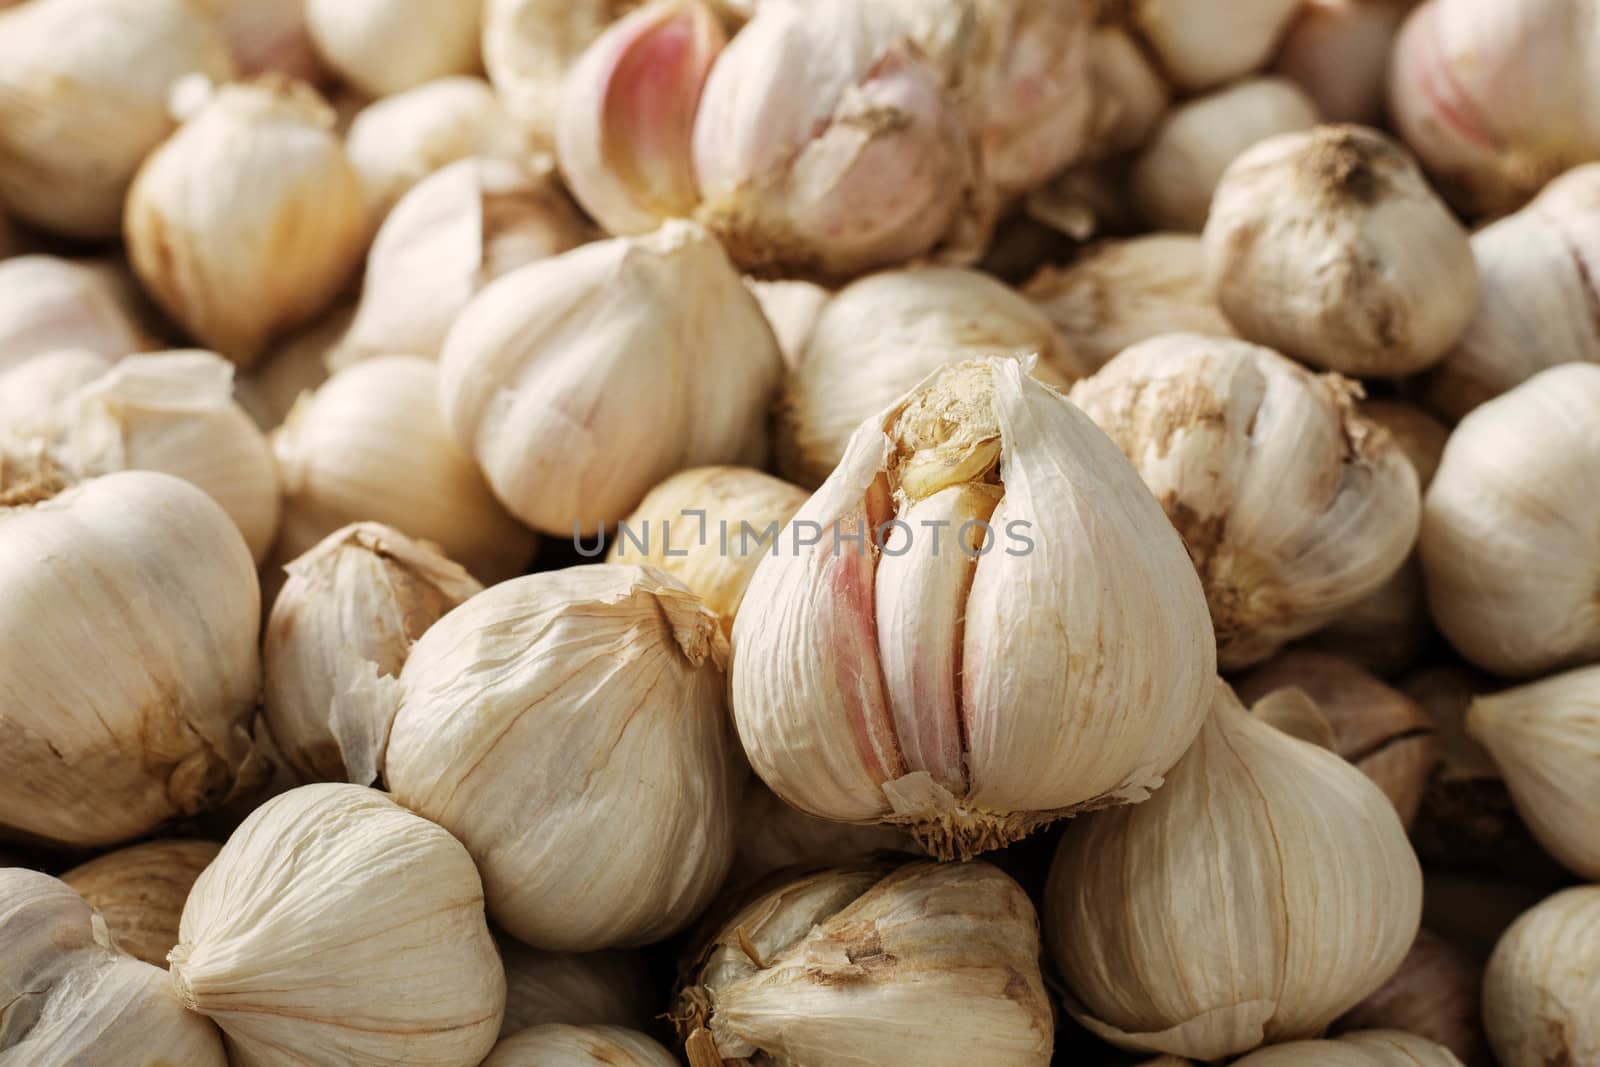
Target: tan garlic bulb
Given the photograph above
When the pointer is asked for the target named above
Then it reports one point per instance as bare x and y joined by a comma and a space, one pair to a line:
268, 35
609, 988
562, 1045
1509, 530
1540, 986
1131, 95
1200, 44
1338, 52
383, 47
530, 45
1367, 1048
104, 748
49, 304
571, 729
1292, 505
369, 445
35, 393
791, 308
924, 965
1329, 246
1120, 292
556, 378
83, 100
980, 623
881, 336
71, 998
1180, 166
139, 891
295, 365
1260, 849
335, 927
336, 639
1434, 994
249, 220
772, 835
458, 230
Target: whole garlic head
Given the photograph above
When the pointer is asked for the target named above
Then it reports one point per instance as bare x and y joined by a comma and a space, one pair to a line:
382, 47
560, 1045
139, 891
1540, 986
1329, 246
1260, 849
1368, 1048
1200, 44
980, 622
1292, 505
609, 988
1435, 994
50, 305
530, 45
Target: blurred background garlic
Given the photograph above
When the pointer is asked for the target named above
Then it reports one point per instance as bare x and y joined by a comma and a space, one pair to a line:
881, 336
581, 381
571, 729
139, 891
249, 220
1435, 995
1338, 52
49, 304
296, 364
34, 394
338, 634
1130, 94
561, 1045
1031, 642
1329, 246
1200, 44
369, 446
1179, 167
1368, 1048
530, 45
1541, 983
104, 748
268, 35
1292, 506
609, 988
791, 308
336, 927
923, 965
1260, 849
772, 836
83, 100
70, 997
382, 47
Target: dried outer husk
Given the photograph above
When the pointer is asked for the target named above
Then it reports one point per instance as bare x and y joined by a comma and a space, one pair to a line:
562, 1045
607, 988
139, 891
1435, 994
1542, 983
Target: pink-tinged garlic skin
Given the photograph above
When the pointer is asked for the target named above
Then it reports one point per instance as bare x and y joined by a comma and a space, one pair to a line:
1338, 52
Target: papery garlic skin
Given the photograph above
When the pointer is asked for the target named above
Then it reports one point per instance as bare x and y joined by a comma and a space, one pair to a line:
1265, 850
1292, 505
1540, 986
1338, 52
268, 36
1368, 1048
607, 988
571, 729
153, 726
560, 1045
926, 964
49, 304
1329, 246
772, 836
35, 393
881, 336
336, 639
1130, 95
530, 45
296, 365
555, 378
1200, 45
1080, 569
139, 891
383, 47
83, 99
336, 928
1434, 995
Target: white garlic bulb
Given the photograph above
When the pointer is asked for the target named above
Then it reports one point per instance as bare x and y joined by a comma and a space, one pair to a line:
1368, 1048
83, 99
1541, 983
268, 35
561, 1045
102, 749
1200, 44
571, 729
139, 891
1435, 995
337, 928
49, 304
772, 835
973, 678
530, 45
791, 308
338, 634
1179, 168
71, 998
369, 445
34, 394
295, 365
1260, 849
1292, 505
608, 988
1329, 246
931, 965
581, 381
1338, 52
1509, 533
249, 219
383, 47
1130, 95
881, 336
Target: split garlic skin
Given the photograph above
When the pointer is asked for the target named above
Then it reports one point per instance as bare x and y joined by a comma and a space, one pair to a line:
609, 988
529, 46
139, 891
1435, 995
383, 47
1199, 44
1369, 1048
1265, 851
49, 304
337, 929
1542, 982
557, 1045
921, 684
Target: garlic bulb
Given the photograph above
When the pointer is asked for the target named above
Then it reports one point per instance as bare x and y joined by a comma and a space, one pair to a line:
560, 1045
34, 394
383, 47
1541, 983
1369, 1048
1292, 505
368, 445
709, 527
530, 45
1434, 994
1118, 293
772, 835
297, 364
580, 989
70, 998
1545, 738
268, 35
336, 928
599, 684
581, 381
925, 965
458, 230
337, 637
980, 623
1201, 44
881, 336
1338, 52
1506, 540
49, 305
791, 308
1330, 247
139, 892
1130, 95
1261, 850
152, 725
1184, 160
83, 99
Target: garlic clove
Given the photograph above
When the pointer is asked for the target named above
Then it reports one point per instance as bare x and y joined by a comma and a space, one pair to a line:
1200, 45
383, 47
1541, 983
608, 988
791, 308
1434, 995
557, 1045
1338, 52
1368, 1048
772, 836
49, 305
295, 365
530, 45
140, 891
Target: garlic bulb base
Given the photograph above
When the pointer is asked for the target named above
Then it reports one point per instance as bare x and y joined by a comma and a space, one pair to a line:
948, 830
